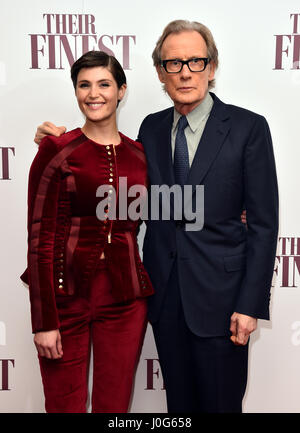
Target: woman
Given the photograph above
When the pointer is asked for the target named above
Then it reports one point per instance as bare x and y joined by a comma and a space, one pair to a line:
86, 280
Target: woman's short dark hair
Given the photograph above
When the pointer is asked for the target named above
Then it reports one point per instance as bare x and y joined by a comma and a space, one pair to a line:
93, 59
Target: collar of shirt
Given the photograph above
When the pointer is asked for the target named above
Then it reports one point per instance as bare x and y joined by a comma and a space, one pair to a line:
197, 116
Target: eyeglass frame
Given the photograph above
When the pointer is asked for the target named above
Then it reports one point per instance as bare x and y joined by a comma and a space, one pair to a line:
163, 63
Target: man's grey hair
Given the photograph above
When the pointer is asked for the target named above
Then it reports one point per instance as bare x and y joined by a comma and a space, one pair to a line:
179, 26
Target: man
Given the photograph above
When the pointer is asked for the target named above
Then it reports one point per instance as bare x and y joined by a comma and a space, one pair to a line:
212, 284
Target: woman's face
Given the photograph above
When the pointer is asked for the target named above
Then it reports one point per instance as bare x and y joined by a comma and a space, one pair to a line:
97, 93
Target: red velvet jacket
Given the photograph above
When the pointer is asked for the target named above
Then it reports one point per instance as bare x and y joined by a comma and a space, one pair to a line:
65, 237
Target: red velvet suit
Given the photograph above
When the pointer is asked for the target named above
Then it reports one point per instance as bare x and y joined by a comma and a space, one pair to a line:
64, 235
71, 288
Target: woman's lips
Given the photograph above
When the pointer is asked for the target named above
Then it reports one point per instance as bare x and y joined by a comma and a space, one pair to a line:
94, 105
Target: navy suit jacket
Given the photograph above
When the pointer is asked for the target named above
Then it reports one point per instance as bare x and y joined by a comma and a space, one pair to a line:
225, 267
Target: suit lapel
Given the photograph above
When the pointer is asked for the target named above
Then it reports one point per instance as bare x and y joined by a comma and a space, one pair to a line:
163, 149
213, 137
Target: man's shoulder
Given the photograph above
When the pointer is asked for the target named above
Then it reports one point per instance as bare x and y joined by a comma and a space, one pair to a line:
242, 112
158, 116
237, 113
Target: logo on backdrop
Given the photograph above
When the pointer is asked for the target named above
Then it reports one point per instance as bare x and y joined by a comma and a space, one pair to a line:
5, 153
67, 36
154, 376
5, 364
287, 47
287, 263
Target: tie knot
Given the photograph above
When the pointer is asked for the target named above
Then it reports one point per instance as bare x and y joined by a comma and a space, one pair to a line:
182, 123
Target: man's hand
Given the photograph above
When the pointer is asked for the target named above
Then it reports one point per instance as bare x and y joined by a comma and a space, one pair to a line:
48, 344
244, 217
241, 327
48, 128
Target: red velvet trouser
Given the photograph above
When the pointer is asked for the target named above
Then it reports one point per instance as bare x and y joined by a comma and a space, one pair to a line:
116, 332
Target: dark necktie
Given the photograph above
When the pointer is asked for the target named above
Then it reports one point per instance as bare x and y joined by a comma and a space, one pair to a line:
181, 154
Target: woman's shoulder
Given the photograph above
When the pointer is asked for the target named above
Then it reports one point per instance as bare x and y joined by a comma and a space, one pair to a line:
136, 144
58, 143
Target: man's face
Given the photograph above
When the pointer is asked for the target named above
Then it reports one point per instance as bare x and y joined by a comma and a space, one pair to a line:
187, 89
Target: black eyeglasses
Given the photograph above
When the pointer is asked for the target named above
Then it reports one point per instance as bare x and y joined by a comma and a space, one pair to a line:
173, 66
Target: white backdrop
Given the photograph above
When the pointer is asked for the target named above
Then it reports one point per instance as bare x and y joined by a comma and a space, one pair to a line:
248, 36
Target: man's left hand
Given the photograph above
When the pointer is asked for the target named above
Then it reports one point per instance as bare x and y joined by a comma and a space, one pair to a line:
241, 327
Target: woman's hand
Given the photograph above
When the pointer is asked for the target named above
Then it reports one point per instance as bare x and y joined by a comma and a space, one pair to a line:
48, 344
